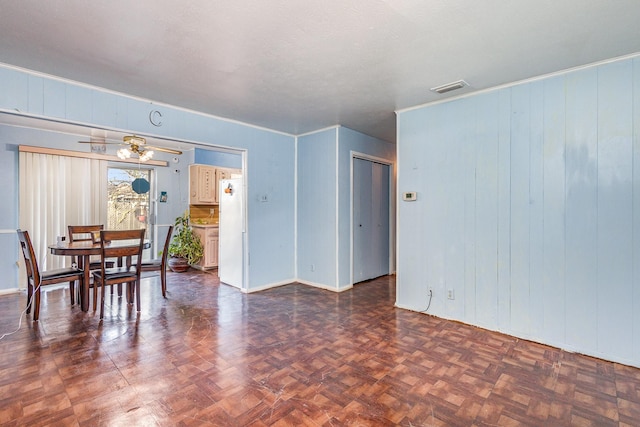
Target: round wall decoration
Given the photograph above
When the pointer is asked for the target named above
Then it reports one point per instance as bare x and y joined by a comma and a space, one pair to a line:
155, 117
140, 185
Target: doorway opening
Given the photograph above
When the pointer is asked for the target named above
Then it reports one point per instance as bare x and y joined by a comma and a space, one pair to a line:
229, 211
371, 237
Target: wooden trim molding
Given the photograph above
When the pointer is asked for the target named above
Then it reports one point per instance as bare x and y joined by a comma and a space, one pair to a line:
80, 154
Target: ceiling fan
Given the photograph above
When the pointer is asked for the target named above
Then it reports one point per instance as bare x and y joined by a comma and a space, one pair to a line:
137, 145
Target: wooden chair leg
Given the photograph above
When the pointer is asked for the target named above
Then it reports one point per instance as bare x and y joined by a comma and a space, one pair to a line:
79, 292
129, 293
29, 297
72, 289
36, 308
137, 283
102, 292
163, 281
95, 296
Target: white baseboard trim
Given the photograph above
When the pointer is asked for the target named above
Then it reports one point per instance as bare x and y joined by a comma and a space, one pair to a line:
323, 286
268, 286
293, 281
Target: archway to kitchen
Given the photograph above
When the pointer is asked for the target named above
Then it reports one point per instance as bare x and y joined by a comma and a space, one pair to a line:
217, 207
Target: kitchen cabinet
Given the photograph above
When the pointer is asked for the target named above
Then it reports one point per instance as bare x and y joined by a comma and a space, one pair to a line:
208, 235
203, 183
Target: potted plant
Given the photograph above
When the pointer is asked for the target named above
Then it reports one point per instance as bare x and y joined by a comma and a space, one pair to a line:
185, 247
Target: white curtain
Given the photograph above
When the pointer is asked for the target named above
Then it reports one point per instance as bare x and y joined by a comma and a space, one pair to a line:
57, 191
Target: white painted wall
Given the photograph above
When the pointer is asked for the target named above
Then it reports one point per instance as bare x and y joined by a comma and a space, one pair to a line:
529, 210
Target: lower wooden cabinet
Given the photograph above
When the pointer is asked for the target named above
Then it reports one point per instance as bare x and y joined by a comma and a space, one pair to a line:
209, 238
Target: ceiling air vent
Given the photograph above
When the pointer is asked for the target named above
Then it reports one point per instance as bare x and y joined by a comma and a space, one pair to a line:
450, 86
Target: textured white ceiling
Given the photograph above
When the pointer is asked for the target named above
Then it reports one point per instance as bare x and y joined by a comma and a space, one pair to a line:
297, 66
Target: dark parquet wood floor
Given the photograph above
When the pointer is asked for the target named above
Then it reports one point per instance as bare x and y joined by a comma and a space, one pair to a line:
209, 355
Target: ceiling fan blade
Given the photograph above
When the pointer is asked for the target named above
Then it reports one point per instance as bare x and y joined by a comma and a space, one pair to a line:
136, 143
166, 150
134, 139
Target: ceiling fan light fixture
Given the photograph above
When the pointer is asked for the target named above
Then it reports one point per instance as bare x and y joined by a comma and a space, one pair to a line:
450, 86
123, 153
136, 145
146, 155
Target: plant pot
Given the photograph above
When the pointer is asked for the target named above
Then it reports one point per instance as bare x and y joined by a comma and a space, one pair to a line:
178, 265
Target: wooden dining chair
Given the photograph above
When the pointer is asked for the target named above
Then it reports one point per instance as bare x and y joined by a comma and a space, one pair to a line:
87, 233
36, 278
160, 264
125, 244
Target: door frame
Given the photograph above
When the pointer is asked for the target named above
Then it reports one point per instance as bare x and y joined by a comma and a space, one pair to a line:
362, 156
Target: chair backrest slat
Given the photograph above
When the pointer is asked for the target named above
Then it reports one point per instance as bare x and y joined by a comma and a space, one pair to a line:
113, 244
29, 255
83, 233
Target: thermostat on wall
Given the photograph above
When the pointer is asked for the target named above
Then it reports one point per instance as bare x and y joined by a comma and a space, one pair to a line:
410, 196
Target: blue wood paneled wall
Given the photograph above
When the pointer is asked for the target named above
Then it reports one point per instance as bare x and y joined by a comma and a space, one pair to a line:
316, 202
324, 203
529, 210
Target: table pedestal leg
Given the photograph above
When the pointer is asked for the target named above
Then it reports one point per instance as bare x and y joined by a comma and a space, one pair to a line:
83, 263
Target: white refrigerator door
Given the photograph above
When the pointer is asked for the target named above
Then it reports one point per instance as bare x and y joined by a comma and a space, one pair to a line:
231, 228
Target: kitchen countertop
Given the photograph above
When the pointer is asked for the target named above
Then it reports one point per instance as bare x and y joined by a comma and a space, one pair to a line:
205, 225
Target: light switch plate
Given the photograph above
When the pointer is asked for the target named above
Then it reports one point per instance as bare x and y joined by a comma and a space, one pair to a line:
409, 196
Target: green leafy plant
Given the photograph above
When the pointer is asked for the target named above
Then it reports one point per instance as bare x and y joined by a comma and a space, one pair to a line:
185, 244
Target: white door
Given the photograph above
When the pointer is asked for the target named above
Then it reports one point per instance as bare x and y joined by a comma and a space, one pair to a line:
370, 220
231, 232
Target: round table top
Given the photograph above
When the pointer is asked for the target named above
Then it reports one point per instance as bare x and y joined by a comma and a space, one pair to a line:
84, 247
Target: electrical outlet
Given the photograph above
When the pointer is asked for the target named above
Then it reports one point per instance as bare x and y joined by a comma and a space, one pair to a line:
450, 294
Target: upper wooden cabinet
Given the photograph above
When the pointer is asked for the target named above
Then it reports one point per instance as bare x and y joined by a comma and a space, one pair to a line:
203, 183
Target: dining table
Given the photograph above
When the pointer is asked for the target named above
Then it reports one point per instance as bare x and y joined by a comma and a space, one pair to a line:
83, 251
